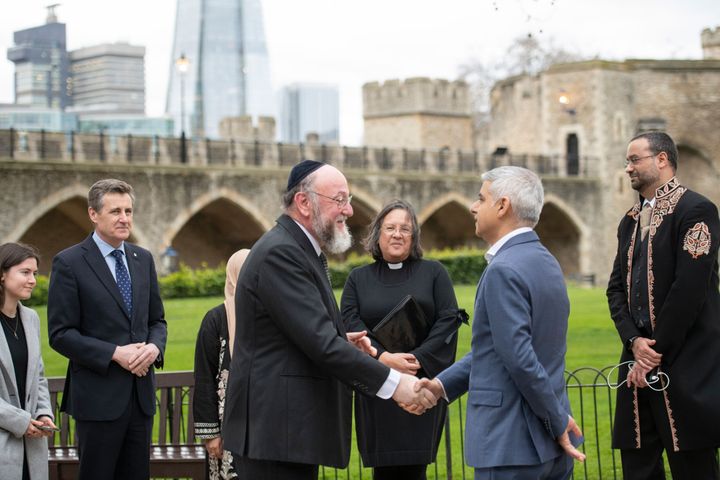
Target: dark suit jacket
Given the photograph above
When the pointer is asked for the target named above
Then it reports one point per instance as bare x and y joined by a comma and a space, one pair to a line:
682, 275
285, 400
87, 319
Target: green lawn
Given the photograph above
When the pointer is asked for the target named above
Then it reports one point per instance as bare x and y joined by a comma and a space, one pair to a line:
592, 342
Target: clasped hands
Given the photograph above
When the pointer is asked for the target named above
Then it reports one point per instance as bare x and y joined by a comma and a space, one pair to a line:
136, 357
40, 427
646, 359
409, 393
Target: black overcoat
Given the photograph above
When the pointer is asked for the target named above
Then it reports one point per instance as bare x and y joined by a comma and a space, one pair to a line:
684, 307
289, 392
386, 434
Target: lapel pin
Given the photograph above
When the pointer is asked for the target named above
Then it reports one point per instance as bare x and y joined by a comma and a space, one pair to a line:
134, 254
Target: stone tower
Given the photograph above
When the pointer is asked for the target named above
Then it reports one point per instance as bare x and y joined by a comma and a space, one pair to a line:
711, 43
418, 113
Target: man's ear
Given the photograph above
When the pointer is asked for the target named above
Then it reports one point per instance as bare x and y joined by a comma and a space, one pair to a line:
302, 204
92, 214
503, 207
663, 160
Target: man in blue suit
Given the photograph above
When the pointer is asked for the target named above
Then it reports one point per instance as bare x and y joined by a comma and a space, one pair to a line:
518, 413
105, 315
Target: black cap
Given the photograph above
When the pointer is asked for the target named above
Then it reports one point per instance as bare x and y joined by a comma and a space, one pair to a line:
300, 171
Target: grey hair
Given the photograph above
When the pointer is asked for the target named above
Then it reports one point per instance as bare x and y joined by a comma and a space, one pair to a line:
108, 185
304, 185
522, 187
372, 240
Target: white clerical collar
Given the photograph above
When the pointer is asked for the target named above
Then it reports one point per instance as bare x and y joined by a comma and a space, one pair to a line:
495, 247
395, 266
314, 242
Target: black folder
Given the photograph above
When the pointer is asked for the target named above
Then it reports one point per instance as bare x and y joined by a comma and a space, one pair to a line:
404, 328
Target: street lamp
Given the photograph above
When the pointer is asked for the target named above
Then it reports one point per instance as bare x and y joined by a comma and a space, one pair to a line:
564, 100
182, 64
170, 260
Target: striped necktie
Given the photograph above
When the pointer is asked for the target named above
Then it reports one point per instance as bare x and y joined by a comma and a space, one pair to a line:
323, 260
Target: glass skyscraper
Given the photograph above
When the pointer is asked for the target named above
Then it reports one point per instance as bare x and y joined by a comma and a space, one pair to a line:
309, 108
41, 64
227, 73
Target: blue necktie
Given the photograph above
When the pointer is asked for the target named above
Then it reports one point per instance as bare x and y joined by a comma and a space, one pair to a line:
123, 279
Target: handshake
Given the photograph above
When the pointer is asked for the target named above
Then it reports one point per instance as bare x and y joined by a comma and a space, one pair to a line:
415, 395
412, 394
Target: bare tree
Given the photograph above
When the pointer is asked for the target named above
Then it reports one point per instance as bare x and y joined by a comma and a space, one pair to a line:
525, 55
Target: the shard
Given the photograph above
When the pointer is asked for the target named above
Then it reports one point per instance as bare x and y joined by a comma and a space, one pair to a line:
225, 71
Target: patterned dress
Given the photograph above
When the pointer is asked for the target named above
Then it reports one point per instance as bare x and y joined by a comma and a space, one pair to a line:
212, 360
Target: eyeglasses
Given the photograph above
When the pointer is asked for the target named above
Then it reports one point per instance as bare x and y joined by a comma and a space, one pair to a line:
404, 230
341, 201
636, 160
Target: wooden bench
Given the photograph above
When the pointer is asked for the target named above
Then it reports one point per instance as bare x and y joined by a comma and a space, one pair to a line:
173, 454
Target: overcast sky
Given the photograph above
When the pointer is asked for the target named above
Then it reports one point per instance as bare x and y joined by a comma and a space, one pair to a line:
350, 42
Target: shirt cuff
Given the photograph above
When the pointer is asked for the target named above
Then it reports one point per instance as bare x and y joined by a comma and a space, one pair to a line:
444, 393
390, 385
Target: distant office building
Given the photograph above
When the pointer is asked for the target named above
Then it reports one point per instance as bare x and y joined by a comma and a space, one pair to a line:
108, 91
309, 108
138, 125
108, 78
41, 64
100, 88
36, 117
227, 73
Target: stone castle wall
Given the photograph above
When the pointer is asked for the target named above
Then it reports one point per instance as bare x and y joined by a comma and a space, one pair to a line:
419, 131
710, 39
418, 113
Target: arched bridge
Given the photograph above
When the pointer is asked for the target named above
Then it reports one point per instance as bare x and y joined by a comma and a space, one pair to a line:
222, 196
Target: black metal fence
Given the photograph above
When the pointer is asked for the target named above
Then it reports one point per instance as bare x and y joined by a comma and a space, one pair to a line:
592, 401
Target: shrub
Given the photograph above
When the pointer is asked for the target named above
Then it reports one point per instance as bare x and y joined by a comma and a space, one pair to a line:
200, 282
40, 293
464, 266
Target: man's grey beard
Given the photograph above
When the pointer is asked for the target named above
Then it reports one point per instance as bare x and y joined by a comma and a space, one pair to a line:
330, 238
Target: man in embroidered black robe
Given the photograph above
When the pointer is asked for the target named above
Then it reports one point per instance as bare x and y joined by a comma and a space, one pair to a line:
664, 300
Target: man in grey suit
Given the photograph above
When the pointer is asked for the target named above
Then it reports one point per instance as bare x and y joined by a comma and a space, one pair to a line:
288, 405
518, 413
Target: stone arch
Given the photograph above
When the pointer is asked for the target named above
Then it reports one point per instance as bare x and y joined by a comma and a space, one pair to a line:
562, 231
697, 171
59, 221
447, 223
213, 227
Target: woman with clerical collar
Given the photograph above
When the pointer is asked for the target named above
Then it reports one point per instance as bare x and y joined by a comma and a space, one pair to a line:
25, 412
399, 445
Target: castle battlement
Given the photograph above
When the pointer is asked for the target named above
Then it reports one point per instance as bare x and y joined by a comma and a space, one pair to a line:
243, 128
710, 39
416, 95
